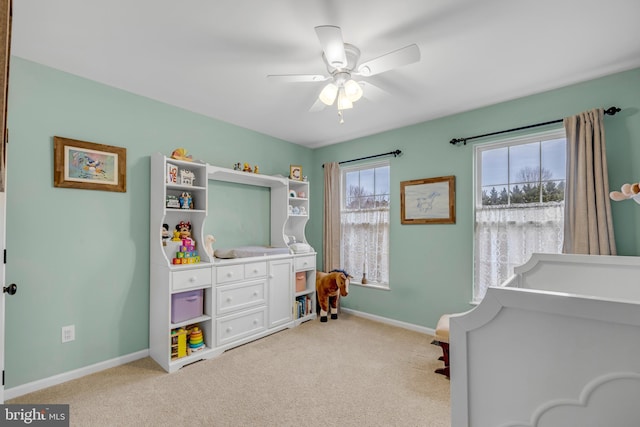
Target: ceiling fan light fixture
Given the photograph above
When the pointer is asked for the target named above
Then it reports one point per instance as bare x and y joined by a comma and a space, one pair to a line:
328, 94
353, 90
344, 103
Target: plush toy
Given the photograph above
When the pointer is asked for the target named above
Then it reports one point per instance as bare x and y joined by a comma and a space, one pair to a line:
181, 154
209, 240
628, 191
184, 228
329, 288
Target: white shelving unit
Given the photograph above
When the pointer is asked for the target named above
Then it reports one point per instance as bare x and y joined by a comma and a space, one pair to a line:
168, 279
243, 299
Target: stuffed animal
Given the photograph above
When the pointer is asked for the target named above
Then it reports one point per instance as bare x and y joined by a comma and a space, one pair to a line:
184, 230
329, 288
209, 240
181, 154
627, 191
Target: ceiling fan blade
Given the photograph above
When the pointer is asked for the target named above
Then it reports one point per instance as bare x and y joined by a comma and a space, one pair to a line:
317, 106
372, 92
298, 78
332, 45
397, 58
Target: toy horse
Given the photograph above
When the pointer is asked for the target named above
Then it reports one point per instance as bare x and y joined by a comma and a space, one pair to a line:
329, 288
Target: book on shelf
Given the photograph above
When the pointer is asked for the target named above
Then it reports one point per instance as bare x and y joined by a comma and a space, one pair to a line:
303, 306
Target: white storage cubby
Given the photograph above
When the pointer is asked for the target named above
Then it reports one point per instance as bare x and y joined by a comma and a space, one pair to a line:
243, 299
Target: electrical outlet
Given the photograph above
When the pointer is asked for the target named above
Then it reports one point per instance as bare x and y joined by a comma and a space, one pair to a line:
68, 333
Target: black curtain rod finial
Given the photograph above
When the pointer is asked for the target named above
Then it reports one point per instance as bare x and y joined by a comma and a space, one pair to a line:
611, 111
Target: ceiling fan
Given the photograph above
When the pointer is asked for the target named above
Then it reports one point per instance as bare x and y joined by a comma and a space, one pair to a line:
341, 60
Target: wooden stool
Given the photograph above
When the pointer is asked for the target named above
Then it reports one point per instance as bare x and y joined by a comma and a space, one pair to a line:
442, 339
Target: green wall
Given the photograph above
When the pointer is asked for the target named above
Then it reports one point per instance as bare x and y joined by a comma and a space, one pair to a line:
431, 265
81, 257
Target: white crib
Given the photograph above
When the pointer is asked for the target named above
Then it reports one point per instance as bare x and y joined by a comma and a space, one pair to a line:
558, 345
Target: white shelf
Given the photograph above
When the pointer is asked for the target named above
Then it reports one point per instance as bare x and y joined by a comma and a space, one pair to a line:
262, 288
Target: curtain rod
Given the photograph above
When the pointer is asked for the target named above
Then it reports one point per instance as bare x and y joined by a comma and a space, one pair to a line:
610, 111
395, 153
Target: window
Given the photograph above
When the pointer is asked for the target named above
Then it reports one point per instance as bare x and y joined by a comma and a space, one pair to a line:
519, 206
364, 217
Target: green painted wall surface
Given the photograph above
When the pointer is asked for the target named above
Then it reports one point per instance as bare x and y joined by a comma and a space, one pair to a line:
431, 265
82, 257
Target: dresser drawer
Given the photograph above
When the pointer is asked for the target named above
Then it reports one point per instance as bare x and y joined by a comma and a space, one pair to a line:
188, 279
237, 326
255, 269
305, 263
229, 273
240, 296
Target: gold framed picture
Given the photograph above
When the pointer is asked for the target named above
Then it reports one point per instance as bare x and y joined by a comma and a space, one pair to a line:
88, 165
295, 172
428, 201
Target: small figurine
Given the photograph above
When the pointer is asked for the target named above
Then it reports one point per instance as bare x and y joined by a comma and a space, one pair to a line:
237, 167
176, 236
186, 201
255, 169
165, 234
246, 168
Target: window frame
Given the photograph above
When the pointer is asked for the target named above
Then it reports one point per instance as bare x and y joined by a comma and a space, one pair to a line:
478, 149
343, 196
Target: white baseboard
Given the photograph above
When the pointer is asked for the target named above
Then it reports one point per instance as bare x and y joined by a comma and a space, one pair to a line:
23, 389
398, 323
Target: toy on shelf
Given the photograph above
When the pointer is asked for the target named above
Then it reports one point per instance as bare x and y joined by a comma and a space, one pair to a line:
255, 169
627, 191
178, 343
246, 167
196, 341
186, 201
237, 167
181, 154
165, 234
209, 240
186, 252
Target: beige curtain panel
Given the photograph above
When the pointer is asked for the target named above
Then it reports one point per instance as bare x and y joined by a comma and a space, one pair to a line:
331, 228
588, 226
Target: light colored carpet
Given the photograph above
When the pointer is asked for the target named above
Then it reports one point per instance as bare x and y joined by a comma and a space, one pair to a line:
347, 372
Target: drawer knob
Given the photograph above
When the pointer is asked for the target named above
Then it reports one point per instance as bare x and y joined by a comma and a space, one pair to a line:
255, 271
305, 263
192, 279
255, 321
255, 293
229, 274
229, 329
229, 299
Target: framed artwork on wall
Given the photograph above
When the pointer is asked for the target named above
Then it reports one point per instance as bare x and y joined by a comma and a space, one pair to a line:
295, 172
428, 201
88, 165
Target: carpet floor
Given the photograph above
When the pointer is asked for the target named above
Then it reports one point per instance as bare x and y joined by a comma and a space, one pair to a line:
346, 372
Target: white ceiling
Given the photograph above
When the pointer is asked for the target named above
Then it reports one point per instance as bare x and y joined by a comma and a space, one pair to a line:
212, 57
